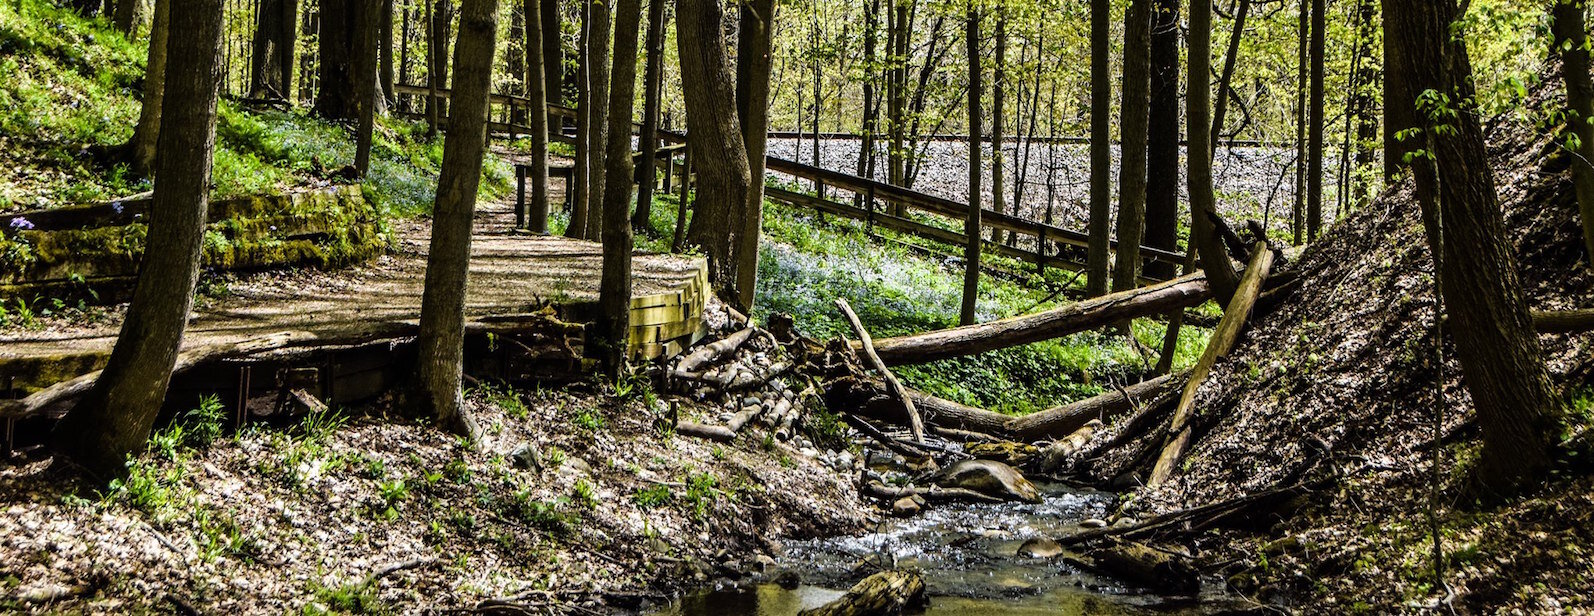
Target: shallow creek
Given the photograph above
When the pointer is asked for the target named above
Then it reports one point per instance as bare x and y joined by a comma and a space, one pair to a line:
968, 554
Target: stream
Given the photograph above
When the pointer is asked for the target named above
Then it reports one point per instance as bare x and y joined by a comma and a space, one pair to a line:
968, 553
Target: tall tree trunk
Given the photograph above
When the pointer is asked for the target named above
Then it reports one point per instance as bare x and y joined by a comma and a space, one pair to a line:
614, 291
1367, 75
1314, 155
895, 107
998, 100
441, 343
598, 118
141, 149
1221, 107
718, 150
1198, 155
1303, 59
338, 97
441, 33
652, 84
386, 25
1132, 169
752, 109
553, 51
536, 116
870, 121
1098, 255
581, 201
116, 416
365, 68
125, 18
1162, 138
1397, 102
971, 226
1571, 40
1501, 362
271, 68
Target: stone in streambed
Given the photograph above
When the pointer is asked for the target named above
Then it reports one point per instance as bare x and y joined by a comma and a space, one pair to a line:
991, 478
905, 507
1040, 547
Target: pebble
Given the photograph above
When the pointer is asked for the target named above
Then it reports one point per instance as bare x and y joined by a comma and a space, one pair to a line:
905, 507
1092, 523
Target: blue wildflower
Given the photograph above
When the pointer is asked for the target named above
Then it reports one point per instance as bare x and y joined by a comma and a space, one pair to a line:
20, 224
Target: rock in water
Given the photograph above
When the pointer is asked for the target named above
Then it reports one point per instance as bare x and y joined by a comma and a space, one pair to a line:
905, 507
1040, 547
882, 594
991, 478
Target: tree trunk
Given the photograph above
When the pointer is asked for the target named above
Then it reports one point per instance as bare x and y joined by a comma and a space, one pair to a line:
365, 69
1098, 254
971, 225
598, 120
870, 121
1398, 100
652, 84
752, 108
125, 18
580, 207
340, 40
440, 357
1073, 318
1314, 155
1303, 58
537, 116
115, 419
897, 78
440, 31
1198, 154
998, 101
385, 15
1132, 169
141, 149
271, 70
1162, 139
718, 151
553, 51
1571, 40
1501, 362
1221, 107
614, 292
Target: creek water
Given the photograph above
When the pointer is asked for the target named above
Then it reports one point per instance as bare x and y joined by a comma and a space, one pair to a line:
968, 554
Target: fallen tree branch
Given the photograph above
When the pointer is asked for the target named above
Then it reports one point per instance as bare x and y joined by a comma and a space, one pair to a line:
1223, 340
915, 423
1563, 321
875, 489
691, 366
1064, 420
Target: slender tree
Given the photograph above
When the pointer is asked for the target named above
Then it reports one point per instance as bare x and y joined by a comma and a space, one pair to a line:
998, 102
1163, 136
1132, 156
536, 116
598, 47
271, 63
1098, 254
553, 51
1225, 80
441, 344
752, 109
1501, 362
580, 206
1303, 59
1198, 112
440, 24
115, 418
871, 107
340, 86
614, 291
719, 154
971, 226
653, 91
1314, 154
385, 35
365, 68
1397, 117
141, 149
1571, 40
125, 16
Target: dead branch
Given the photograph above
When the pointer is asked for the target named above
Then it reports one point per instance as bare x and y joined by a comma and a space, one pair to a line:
915, 423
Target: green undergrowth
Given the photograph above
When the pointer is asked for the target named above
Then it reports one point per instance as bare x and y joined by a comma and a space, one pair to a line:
806, 263
71, 96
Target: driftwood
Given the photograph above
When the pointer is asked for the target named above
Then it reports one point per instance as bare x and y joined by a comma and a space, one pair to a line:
704, 431
1056, 454
900, 448
692, 365
915, 423
883, 594
1180, 292
932, 493
1064, 420
1223, 340
1144, 566
868, 397
1203, 517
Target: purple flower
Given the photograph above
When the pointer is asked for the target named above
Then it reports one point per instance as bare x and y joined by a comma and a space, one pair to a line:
116, 206
20, 224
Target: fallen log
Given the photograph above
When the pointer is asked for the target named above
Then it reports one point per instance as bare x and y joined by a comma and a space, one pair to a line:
915, 423
868, 397
1144, 566
694, 362
883, 594
704, 431
1064, 420
1563, 321
933, 493
1180, 292
1058, 453
1222, 341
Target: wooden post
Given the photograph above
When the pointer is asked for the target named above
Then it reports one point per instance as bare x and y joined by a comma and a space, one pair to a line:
870, 199
241, 412
520, 196
11, 422
669, 170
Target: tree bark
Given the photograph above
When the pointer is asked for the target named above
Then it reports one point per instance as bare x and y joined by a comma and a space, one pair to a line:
1230, 58
340, 88
1398, 101
271, 70
1162, 139
141, 149
998, 102
1063, 420
580, 206
1132, 157
440, 358
652, 84
115, 419
718, 151
1077, 317
752, 108
440, 31
614, 291
1314, 155
1098, 254
553, 51
385, 38
1501, 361
1198, 154
598, 57
1571, 40
536, 116
971, 225
1303, 58
366, 67
125, 18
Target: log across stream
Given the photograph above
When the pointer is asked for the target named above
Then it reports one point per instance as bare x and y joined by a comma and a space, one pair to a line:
969, 556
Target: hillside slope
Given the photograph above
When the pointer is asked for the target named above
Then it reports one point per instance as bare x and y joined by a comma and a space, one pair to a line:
1341, 381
